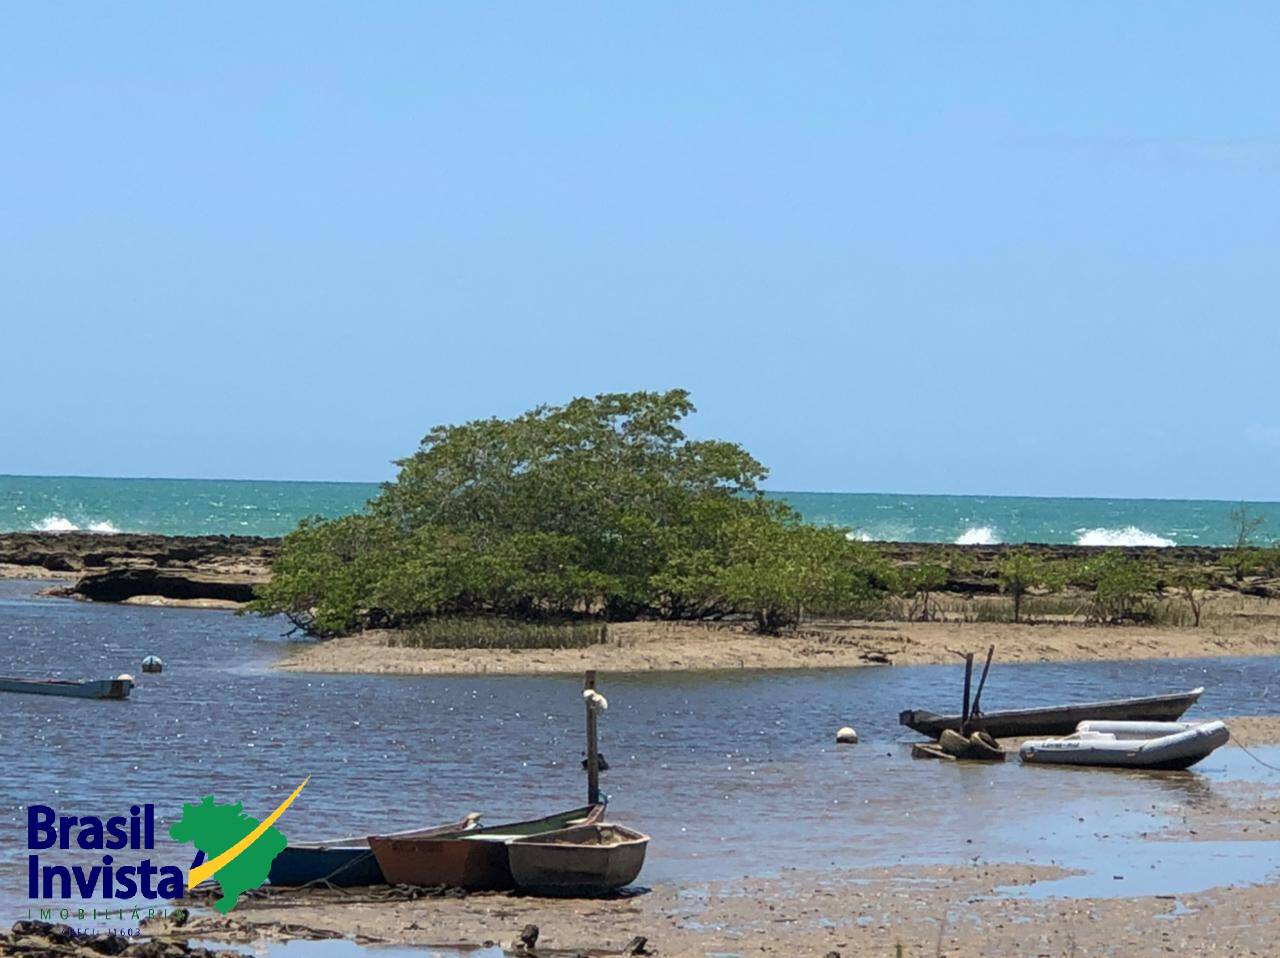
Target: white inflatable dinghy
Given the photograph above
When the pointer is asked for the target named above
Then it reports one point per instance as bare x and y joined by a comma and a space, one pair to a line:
1154, 745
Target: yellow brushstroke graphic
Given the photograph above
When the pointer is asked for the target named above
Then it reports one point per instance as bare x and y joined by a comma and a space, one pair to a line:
207, 869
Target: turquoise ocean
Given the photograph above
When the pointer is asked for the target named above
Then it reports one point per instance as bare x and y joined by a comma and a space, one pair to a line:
219, 506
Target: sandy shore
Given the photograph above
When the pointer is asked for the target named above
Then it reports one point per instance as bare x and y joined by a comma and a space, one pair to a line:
1246, 627
929, 911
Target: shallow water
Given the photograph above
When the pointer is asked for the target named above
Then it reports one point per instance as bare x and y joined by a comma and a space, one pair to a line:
732, 773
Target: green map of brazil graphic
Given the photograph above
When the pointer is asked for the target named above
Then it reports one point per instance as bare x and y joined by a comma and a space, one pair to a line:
213, 828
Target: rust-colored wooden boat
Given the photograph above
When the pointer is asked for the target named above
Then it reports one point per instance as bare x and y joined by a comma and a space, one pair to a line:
344, 862
579, 862
476, 860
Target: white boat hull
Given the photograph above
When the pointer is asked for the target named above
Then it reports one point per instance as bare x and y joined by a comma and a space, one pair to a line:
1182, 745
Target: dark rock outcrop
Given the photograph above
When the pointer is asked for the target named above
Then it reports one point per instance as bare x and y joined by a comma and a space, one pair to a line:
116, 585
116, 567
78, 551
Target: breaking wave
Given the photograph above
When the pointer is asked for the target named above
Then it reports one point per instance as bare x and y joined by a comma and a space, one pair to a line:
978, 536
858, 536
63, 524
1128, 536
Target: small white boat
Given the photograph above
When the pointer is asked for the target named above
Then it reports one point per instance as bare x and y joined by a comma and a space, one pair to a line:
1152, 745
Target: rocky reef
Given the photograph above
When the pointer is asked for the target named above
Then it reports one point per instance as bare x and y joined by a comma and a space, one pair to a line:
127, 567
222, 570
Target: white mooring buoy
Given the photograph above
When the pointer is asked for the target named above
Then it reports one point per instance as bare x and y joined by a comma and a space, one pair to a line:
847, 736
152, 663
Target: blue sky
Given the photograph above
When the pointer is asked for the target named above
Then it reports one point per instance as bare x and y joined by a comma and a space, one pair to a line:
890, 247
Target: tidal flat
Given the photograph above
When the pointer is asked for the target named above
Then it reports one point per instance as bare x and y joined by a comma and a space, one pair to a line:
768, 837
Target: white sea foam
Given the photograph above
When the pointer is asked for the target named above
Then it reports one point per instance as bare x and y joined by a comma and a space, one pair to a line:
63, 524
857, 536
978, 536
1128, 536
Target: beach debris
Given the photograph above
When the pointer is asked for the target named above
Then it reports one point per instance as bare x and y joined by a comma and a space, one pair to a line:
930, 750
637, 946
847, 736
43, 938
153, 664
528, 937
979, 746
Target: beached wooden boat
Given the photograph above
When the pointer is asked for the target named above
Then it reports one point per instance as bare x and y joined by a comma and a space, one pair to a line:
1143, 745
344, 862
579, 862
1055, 719
477, 860
117, 688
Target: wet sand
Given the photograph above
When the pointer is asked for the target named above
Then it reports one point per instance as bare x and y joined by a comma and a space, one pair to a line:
951, 911
1243, 627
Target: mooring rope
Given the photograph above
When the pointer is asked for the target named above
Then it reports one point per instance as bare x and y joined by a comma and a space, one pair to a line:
1246, 751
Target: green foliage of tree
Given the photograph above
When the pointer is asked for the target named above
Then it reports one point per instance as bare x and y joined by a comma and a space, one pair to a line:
918, 581
601, 506
1270, 564
777, 570
1244, 559
1192, 583
1121, 586
1248, 561
1022, 572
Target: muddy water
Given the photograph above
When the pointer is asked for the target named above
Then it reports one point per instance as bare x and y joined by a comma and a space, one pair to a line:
732, 773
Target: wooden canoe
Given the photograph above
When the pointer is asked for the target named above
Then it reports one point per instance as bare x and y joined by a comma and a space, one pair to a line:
117, 688
344, 862
1056, 719
580, 862
476, 860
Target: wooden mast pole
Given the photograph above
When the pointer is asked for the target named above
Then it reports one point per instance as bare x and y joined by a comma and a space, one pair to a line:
593, 754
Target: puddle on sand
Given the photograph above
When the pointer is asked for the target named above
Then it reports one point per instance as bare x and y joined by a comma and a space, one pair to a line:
1136, 869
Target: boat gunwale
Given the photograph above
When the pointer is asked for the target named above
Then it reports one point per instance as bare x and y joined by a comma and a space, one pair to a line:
593, 813
549, 840
354, 843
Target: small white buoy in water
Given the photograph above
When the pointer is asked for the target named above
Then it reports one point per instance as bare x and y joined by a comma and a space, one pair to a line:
152, 663
847, 736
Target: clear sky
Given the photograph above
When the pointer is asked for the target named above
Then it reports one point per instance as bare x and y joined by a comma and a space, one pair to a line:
897, 247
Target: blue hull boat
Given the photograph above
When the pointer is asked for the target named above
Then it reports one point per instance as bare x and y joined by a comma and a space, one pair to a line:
344, 862
117, 688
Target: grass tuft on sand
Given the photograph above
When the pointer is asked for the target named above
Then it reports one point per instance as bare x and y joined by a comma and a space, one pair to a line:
473, 632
